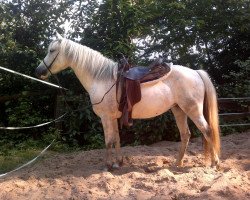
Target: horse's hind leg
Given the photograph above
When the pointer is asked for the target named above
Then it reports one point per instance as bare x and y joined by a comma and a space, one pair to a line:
181, 121
204, 127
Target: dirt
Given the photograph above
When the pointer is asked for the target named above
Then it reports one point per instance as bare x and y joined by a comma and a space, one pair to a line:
148, 173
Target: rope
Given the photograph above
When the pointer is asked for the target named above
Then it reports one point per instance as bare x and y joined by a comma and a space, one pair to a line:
30, 77
29, 162
225, 125
236, 98
35, 126
229, 114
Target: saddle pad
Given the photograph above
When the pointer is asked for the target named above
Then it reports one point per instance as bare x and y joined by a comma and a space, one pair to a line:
145, 74
136, 73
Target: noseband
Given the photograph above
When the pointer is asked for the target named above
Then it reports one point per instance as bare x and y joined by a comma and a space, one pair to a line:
49, 66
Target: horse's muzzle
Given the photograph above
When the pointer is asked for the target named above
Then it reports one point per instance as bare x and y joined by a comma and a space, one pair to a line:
41, 71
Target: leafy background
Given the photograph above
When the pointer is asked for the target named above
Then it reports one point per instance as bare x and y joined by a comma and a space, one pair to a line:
212, 35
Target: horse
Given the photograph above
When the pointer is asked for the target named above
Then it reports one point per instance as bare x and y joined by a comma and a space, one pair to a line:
186, 92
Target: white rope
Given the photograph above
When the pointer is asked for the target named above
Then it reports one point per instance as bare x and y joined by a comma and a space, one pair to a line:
30, 127
225, 125
28, 163
235, 98
229, 114
36, 126
35, 79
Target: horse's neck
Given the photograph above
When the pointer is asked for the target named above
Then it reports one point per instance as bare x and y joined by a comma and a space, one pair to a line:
89, 65
87, 79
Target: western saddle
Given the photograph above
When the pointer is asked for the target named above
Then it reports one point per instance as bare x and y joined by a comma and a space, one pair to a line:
130, 79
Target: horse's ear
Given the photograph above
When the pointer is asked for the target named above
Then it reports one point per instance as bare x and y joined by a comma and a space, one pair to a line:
58, 36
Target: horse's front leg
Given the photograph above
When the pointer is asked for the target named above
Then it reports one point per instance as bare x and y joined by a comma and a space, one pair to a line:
119, 158
111, 133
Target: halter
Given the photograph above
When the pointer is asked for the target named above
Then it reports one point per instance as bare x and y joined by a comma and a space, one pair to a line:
58, 82
48, 67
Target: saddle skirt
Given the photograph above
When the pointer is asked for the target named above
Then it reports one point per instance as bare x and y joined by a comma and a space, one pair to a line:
130, 81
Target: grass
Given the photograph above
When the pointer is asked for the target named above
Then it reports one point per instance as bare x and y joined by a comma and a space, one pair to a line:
16, 158
14, 155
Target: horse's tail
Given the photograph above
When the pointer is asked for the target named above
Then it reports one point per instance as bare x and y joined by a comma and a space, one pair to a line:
210, 111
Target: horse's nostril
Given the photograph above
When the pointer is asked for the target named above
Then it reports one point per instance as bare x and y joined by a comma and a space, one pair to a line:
37, 73
40, 71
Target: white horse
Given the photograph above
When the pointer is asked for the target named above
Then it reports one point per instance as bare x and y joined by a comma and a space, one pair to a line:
187, 92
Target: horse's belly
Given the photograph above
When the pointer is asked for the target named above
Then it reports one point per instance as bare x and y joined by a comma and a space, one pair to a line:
156, 99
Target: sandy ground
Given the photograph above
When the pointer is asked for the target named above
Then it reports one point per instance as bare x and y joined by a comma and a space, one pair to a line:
148, 173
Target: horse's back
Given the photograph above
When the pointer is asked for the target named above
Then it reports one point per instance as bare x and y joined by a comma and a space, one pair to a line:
185, 74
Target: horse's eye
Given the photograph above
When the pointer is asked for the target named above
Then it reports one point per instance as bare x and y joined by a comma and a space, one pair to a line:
51, 50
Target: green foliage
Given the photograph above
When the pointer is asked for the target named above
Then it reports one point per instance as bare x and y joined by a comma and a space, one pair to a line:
212, 34
111, 28
20, 113
81, 127
26, 28
240, 83
13, 158
154, 130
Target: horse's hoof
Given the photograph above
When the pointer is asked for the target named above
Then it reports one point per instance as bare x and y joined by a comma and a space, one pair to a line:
105, 169
218, 167
216, 163
116, 166
120, 161
179, 163
108, 168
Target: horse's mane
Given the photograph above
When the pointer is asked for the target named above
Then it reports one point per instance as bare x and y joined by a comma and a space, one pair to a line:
94, 62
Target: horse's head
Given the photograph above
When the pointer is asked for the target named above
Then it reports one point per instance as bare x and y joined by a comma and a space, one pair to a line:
54, 61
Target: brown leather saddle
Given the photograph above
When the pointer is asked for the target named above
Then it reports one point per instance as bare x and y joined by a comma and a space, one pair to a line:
130, 79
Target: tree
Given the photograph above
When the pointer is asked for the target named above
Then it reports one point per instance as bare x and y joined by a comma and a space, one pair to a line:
212, 35
26, 29
25, 32
200, 34
111, 27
